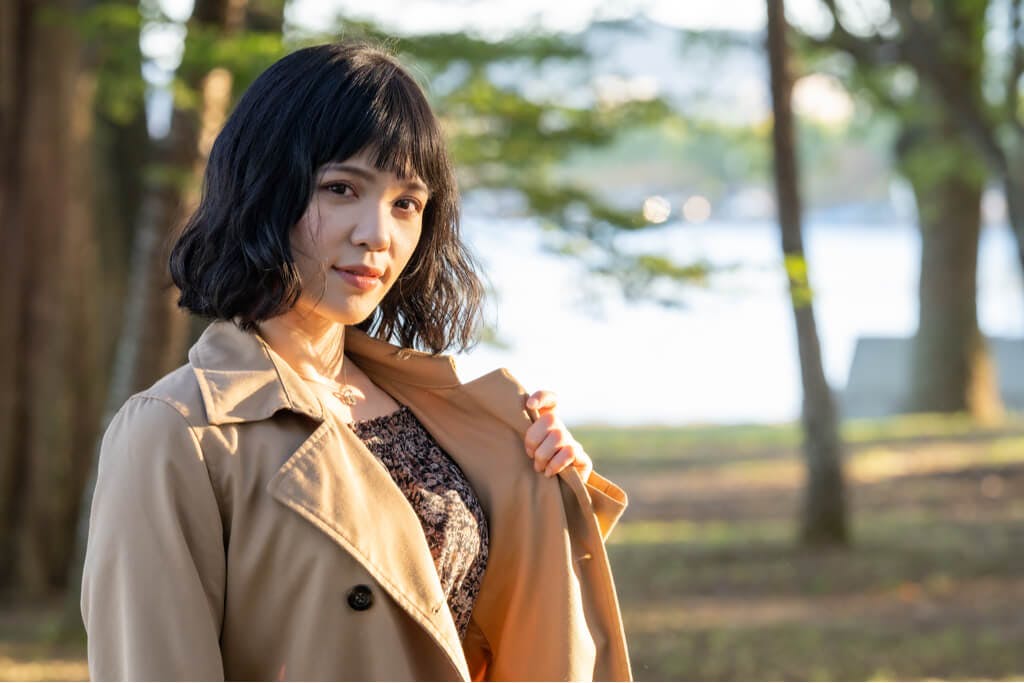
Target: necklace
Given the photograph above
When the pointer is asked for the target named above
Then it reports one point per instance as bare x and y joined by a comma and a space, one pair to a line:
343, 392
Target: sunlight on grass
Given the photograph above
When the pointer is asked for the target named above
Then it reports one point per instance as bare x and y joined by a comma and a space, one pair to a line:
715, 533
880, 463
910, 527
43, 670
701, 442
867, 651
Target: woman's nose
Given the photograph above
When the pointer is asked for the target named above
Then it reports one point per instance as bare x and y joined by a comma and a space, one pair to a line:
374, 229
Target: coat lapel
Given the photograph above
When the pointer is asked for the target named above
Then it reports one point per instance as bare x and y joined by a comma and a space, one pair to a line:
336, 484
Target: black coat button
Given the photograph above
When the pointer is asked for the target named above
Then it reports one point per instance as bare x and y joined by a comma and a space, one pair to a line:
360, 598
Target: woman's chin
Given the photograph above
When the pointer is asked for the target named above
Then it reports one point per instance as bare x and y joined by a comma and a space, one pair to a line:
323, 313
347, 315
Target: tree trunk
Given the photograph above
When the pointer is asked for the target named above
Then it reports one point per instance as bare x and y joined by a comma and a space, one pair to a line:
48, 307
946, 141
823, 514
952, 369
164, 330
14, 56
122, 153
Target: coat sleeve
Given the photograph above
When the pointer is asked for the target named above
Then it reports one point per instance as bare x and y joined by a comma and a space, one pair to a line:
153, 582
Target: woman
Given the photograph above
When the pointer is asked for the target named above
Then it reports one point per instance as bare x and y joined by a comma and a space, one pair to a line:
304, 499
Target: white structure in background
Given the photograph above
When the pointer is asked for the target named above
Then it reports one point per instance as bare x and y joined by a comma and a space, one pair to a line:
879, 381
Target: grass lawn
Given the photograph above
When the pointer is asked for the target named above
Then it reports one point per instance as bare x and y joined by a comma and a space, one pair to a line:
713, 587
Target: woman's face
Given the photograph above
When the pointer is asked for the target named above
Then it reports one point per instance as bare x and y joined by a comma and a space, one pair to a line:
356, 237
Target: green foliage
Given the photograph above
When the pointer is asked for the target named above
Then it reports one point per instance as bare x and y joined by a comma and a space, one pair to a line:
245, 54
161, 177
928, 145
638, 273
437, 51
109, 33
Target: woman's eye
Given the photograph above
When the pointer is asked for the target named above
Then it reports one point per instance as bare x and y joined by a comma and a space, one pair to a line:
339, 188
408, 205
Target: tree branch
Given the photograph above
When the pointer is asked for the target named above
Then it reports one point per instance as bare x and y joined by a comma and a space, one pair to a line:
920, 50
873, 50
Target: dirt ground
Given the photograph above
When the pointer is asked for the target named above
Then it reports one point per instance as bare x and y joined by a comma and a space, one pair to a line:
713, 586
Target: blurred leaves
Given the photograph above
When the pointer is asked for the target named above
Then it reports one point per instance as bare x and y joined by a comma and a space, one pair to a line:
244, 54
110, 33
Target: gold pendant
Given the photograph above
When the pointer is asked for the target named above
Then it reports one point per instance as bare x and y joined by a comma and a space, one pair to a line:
346, 396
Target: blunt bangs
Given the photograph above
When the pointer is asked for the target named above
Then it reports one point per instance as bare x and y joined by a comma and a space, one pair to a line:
387, 117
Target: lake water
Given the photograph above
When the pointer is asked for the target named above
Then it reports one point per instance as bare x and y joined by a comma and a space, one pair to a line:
730, 355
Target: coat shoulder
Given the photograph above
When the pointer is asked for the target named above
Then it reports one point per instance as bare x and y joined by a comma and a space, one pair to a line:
164, 423
179, 389
169, 413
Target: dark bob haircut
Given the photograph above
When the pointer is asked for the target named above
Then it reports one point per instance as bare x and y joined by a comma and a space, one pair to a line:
233, 260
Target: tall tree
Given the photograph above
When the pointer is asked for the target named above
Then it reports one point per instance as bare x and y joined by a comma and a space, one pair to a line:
951, 369
951, 365
823, 515
158, 329
48, 343
112, 31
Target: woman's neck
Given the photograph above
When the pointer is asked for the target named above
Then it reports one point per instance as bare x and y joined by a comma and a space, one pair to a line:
311, 345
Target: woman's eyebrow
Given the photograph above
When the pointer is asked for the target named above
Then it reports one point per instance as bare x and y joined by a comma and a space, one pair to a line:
371, 176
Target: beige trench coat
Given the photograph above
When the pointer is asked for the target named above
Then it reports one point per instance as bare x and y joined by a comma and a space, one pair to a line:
238, 531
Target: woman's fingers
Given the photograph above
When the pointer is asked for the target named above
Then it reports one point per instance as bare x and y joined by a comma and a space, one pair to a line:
538, 431
542, 400
547, 449
548, 441
564, 457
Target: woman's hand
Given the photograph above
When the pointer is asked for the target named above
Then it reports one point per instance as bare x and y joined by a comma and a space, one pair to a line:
549, 442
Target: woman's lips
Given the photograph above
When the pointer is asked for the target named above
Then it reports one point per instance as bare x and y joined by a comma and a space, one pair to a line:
360, 282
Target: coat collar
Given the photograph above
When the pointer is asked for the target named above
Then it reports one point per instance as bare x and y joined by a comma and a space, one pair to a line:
242, 379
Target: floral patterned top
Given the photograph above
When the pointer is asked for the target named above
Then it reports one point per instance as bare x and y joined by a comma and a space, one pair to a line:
449, 511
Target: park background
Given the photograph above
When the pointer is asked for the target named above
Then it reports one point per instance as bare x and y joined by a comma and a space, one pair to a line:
835, 499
